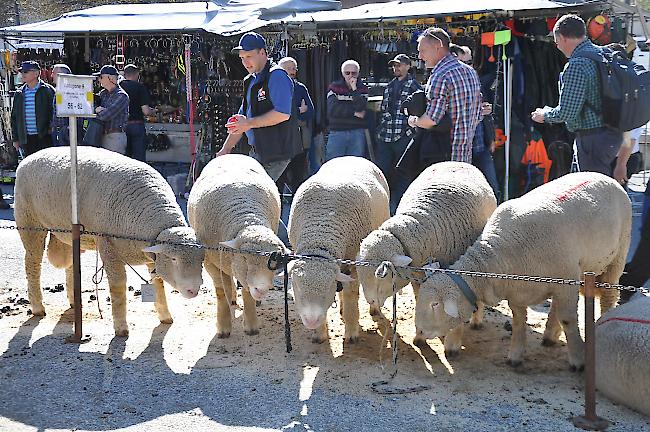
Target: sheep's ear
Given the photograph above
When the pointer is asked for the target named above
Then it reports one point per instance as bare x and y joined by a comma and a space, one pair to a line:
290, 265
451, 308
232, 244
401, 260
158, 248
342, 277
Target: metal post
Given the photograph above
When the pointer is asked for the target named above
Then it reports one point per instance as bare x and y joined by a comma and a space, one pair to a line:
76, 238
590, 421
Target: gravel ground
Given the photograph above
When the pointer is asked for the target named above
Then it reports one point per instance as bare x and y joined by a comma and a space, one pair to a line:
181, 377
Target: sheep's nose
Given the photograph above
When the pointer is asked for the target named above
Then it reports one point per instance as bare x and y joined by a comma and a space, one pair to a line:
258, 293
312, 318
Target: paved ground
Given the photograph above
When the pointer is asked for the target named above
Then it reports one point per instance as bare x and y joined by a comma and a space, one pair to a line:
181, 377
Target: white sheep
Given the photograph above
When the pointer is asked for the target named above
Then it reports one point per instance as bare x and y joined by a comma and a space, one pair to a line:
440, 215
117, 195
235, 203
330, 215
623, 353
579, 222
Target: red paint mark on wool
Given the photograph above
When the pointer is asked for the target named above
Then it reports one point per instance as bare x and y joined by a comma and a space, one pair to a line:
631, 320
563, 196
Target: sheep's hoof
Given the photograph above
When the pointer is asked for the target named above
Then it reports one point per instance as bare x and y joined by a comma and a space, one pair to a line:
169, 320
513, 363
38, 312
317, 339
476, 326
374, 311
252, 332
122, 332
223, 335
575, 368
419, 342
451, 353
352, 340
548, 342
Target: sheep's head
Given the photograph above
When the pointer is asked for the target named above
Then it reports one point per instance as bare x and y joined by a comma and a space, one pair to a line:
314, 289
380, 245
252, 270
440, 307
180, 266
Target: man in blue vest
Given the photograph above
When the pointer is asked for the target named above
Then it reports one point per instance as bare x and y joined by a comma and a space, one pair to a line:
267, 115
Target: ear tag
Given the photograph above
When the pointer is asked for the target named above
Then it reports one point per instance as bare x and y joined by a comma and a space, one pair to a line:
148, 292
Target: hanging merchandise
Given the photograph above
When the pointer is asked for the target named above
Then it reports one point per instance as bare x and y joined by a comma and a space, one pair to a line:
487, 39
536, 165
599, 29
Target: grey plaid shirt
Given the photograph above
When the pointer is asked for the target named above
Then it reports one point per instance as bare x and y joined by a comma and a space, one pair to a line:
394, 124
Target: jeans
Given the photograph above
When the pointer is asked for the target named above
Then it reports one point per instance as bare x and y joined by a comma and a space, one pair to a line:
315, 155
135, 141
483, 161
387, 154
346, 143
597, 149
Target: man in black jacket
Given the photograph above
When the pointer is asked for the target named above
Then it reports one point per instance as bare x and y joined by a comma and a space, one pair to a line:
267, 116
346, 111
31, 114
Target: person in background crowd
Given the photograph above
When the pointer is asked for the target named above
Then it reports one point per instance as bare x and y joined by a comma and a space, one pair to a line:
394, 133
267, 115
139, 101
637, 271
113, 110
31, 114
595, 145
484, 137
60, 125
296, 171
346, 112
454, 88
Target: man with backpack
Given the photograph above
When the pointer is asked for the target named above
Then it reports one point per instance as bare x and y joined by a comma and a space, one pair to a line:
581, 104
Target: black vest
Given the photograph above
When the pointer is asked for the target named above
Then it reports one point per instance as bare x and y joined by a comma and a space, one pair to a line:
272, 143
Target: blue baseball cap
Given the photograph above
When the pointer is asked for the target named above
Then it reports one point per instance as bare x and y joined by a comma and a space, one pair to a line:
107, 70
250, 41
29, 65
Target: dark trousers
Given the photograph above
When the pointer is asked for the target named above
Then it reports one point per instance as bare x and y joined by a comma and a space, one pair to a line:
36, 143
387, 154
637, 271
294, 174
597, 149
135, 141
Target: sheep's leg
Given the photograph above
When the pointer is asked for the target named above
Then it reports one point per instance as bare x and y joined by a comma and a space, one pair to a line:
34, 243
454, 340
553, 329
116, 275
518, 341
221, 282
350, 311
69, 285
609, 297
59, 254
567, 314
476, 321
251, 327
418, 340
164, 315
320, 334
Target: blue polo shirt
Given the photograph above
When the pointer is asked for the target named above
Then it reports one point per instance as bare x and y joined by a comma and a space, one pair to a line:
281, 89
30, 108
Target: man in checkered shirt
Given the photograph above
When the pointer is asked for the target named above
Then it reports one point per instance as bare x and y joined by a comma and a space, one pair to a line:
394, 133
453, 88
595, 145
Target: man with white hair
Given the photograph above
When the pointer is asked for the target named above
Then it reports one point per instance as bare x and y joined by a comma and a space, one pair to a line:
346, 111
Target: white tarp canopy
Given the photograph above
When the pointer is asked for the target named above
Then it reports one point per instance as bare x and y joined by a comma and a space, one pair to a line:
221, 17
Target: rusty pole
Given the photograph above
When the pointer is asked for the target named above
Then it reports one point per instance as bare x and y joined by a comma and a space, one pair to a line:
590, 421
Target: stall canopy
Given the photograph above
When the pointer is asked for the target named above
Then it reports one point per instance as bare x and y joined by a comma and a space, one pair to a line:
421, 9
220, 17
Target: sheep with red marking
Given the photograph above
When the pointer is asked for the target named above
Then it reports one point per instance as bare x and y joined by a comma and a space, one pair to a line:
579, 222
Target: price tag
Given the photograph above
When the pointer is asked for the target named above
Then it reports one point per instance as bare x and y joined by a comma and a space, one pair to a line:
148, 292
74, 95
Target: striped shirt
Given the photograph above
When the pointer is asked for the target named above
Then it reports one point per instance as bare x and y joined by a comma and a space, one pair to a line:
579, 83
30, 108
455, 87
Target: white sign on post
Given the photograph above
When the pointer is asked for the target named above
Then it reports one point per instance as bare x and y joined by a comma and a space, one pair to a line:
74, 95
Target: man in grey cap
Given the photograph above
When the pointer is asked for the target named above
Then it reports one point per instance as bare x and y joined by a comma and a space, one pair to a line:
139, 101
113, 110
394, 133
31, 114
267, 115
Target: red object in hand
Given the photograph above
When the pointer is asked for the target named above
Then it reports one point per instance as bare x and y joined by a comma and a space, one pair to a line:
231, 120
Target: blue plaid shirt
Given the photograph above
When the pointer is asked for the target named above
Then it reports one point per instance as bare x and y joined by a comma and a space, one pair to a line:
116, 112
394, 123
579, 83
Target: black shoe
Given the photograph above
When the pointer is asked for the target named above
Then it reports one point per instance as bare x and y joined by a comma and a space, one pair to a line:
4, 205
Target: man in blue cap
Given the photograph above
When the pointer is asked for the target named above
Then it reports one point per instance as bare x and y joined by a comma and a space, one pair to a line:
267, 115
113, 110
31, 114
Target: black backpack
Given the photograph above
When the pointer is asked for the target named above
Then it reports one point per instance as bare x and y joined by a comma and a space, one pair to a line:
624, 90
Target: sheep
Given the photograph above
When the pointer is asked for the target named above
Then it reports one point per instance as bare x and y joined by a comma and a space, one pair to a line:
622, 353
117, 195
235, 203
579, 222
330, 215
440, 215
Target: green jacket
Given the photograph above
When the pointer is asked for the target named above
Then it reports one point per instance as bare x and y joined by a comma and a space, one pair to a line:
44, 101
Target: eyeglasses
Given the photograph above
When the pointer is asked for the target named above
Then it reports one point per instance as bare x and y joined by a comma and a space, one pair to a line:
353, 73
